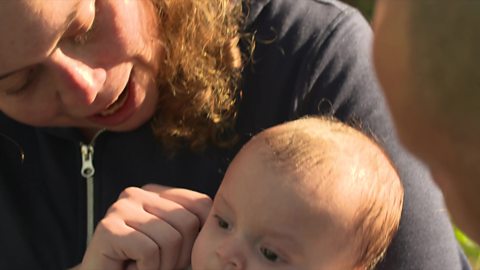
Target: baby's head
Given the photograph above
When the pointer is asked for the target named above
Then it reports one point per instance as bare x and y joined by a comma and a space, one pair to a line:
309, 194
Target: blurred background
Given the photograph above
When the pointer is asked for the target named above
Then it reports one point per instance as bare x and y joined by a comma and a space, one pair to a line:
365, 6
472, 250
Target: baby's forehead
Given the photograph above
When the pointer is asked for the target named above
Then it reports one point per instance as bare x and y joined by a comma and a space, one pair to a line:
324, 165
326, 151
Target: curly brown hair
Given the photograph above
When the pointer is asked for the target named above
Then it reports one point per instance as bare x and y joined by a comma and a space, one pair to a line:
199, 75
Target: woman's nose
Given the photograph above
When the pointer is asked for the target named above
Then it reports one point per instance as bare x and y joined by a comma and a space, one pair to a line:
231, 255
77, 83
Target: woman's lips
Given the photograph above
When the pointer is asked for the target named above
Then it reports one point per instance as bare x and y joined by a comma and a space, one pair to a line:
115, 106
120, 110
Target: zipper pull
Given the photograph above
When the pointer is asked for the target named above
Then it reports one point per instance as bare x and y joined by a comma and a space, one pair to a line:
87, 170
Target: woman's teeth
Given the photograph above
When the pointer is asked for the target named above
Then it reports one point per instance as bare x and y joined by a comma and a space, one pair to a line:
116, 105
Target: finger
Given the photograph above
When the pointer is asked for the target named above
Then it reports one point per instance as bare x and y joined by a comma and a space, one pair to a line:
181, 219
185, 222
196, 202
124, 244
167, 239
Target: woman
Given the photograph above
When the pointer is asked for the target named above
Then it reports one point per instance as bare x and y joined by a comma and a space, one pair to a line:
99, 96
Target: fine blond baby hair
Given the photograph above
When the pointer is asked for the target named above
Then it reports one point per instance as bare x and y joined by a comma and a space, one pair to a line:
353, 166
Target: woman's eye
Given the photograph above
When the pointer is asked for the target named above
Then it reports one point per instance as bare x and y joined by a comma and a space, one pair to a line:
80, 29
17, 82
269, 255
222, 223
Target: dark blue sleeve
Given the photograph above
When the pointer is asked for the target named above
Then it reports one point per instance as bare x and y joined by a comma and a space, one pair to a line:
342, 82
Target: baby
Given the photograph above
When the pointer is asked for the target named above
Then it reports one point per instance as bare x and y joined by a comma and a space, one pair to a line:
310, 194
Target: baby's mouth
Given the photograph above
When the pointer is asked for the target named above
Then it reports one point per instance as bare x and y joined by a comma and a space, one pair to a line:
115, 106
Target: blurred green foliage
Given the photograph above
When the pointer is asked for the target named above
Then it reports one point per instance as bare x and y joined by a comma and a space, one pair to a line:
365, 6
472, 250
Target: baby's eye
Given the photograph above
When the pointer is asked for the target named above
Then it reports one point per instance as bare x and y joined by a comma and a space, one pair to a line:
221, 222
269, 255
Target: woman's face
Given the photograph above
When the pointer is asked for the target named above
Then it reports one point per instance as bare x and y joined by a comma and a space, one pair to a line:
81, 63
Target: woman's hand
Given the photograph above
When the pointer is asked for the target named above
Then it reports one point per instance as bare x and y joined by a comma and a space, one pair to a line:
148, 228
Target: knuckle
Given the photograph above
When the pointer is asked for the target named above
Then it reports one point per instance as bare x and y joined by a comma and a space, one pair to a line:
150, 186
118, 206
103, 225
106, 227
129, 192
113, 208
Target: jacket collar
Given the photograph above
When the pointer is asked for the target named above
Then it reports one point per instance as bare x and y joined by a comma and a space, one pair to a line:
252, 8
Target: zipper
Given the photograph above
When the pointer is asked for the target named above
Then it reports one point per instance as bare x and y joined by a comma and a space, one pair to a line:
88, 171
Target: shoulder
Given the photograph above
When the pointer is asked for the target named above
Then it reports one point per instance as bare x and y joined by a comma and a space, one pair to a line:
293, 25
300, 14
